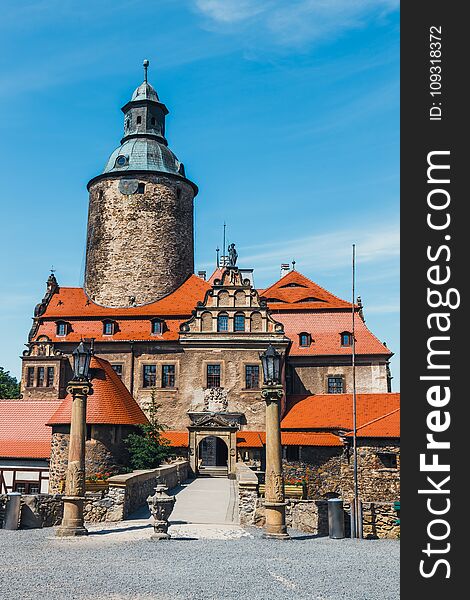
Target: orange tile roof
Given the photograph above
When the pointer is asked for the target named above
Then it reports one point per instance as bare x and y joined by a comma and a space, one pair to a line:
128, 329
385, 426
309, 438
110, 404
23, 431
257, 439
251, 439
334, 411
325, 329
177, 439
73, 302
294, 291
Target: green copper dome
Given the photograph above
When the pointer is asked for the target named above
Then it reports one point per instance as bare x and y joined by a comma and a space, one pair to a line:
144, 146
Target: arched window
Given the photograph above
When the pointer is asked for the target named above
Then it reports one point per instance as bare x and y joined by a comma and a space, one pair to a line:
346, 338
222, 322
157, 327
305, 339
109, 327
153, 121
139, 120
239, 322
62, 328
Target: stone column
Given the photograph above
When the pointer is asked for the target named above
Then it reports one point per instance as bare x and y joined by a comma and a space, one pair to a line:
274, 495
72, 521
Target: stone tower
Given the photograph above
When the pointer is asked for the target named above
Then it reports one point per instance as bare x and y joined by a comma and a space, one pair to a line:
140, 220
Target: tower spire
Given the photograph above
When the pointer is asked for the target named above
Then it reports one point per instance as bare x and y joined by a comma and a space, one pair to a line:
146, 66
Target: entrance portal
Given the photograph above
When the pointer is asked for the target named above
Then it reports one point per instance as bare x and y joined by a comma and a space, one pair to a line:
213, 452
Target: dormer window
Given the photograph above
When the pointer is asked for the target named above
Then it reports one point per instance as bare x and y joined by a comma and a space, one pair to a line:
346, 338
305, 339
109, 327
157, 327
62, 328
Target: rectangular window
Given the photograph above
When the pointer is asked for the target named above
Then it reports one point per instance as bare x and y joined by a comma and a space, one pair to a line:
50, 376
213, 376
335, 385
150, 375
252, 377
30, 377
40, 379
117, 369
239, 323
168, 376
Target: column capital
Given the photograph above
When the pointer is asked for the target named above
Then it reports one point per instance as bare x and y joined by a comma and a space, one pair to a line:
272, 393
79, 388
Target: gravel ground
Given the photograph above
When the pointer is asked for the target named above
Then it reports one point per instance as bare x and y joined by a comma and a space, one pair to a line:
33, 564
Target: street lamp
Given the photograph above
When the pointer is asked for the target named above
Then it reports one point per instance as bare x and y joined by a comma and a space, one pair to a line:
79, 388
272, 392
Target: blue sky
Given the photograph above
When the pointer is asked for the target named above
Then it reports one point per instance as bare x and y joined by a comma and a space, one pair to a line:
286, 115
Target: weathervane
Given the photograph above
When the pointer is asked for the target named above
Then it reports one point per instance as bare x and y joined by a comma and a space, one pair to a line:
146, 66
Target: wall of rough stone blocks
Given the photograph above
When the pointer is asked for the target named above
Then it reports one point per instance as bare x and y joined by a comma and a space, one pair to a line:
138, 245
101, 453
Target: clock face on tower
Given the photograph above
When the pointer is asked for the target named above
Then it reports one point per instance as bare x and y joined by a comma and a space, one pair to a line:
128, 186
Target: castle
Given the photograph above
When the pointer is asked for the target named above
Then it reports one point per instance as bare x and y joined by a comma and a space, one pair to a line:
193, 341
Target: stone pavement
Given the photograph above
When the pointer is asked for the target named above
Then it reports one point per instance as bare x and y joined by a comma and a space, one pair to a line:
206, 508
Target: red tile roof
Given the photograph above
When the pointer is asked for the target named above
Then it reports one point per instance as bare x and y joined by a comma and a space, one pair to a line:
111, 403
334, 411
257, 439
177, 439
250, 439
325, 328
128, 329
309, 438
23, 431
385, 426
73, 302
294, 291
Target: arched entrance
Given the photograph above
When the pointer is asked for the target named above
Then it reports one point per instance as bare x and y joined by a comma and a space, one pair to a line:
212, 452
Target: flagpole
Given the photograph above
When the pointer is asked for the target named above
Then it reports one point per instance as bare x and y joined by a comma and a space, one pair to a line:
356, 491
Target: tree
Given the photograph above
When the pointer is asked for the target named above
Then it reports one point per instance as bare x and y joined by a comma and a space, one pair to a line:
148, 448
9, 386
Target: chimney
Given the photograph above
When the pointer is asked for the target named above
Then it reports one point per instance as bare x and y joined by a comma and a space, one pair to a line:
202, 274
285, 268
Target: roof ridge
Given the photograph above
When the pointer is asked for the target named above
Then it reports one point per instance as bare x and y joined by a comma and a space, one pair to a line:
378, 418
289, 274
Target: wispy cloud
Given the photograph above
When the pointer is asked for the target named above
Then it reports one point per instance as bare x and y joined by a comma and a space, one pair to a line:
294, 22
376, 244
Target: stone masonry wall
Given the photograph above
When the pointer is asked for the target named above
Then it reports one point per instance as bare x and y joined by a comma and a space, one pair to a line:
125, 494
138, 245
330, 471
101, 453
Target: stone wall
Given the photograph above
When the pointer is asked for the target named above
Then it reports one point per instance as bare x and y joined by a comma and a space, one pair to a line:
3, 504
312, 377
103, 452
330, 471
321, 466
138, 245
125, 494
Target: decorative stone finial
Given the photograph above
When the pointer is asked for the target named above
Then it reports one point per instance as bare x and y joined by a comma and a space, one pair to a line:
146, 66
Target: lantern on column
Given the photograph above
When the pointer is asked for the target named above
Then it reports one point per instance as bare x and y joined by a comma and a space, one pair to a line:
271, 360
81, 362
